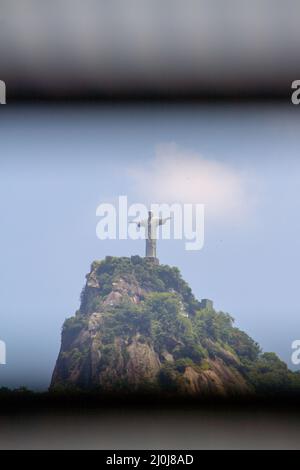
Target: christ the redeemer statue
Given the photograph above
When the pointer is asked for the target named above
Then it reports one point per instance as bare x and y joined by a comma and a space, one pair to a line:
151, 225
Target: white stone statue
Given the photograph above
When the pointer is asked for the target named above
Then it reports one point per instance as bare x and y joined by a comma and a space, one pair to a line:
151, 225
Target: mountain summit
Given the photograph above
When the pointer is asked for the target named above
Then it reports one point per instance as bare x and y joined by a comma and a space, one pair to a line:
140, 329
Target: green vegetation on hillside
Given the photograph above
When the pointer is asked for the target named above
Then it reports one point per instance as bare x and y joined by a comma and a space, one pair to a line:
169, 318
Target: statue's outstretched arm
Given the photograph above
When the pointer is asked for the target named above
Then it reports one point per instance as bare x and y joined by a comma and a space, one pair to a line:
163, 221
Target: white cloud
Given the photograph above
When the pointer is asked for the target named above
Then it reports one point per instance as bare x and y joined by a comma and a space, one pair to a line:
176, 175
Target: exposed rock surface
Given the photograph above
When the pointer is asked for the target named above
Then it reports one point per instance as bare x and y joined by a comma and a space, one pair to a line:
139, 328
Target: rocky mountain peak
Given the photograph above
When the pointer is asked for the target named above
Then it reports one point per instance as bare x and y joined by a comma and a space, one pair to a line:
139, 328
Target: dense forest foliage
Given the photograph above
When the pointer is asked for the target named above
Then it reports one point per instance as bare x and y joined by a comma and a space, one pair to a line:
169, 317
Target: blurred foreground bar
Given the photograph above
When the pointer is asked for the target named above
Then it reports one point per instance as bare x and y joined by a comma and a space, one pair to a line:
67, 49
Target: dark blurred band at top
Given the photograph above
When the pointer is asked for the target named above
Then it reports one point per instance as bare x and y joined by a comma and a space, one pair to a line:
75, 49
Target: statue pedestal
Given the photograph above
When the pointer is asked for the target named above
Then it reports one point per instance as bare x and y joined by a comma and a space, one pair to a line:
152, 259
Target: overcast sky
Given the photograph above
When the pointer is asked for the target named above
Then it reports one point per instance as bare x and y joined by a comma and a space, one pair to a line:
57, 166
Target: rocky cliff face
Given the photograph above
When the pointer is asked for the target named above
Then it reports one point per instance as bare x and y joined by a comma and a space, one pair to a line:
139, 328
